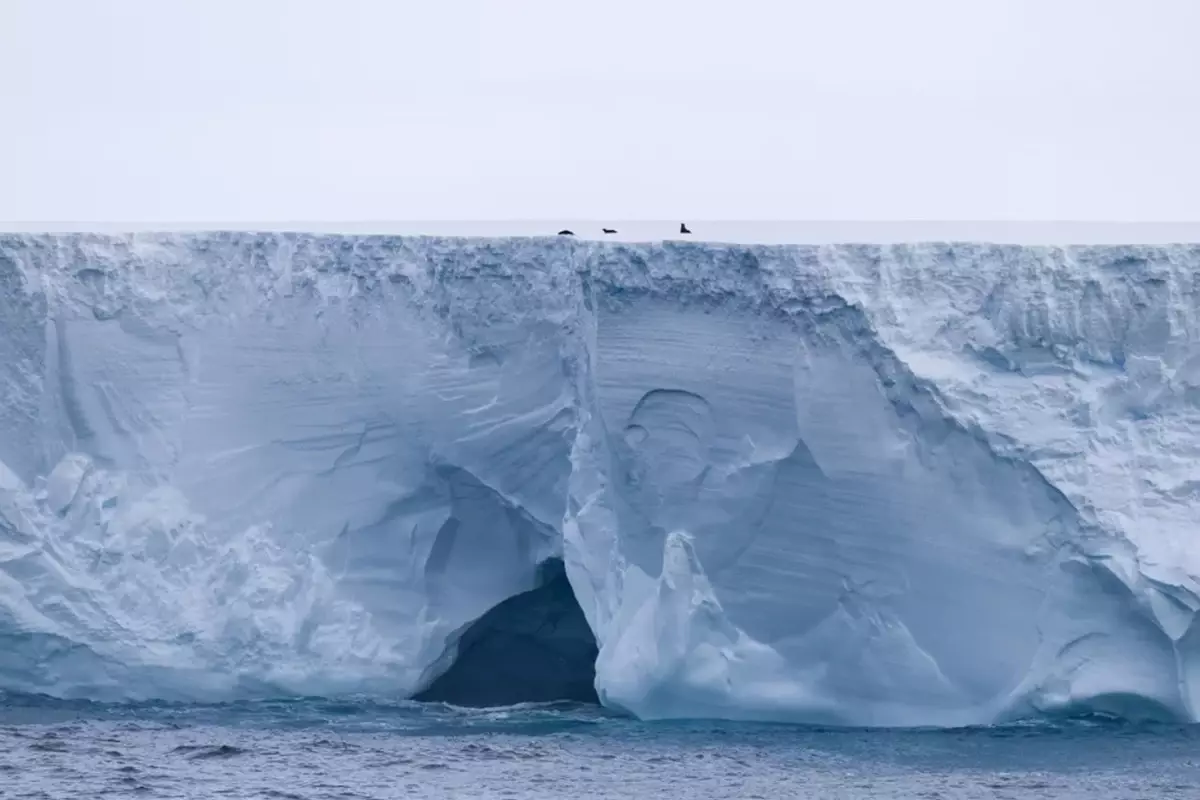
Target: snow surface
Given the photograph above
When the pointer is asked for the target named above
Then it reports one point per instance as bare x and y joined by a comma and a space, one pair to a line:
922, 484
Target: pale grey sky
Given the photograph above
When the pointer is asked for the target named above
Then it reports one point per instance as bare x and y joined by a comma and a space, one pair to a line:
265, 110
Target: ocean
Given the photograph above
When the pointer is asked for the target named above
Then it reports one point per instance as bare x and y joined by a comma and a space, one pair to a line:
349, 748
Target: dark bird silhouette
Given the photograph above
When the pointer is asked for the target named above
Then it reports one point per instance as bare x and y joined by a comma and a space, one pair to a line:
683, 228
566, 233
609, 230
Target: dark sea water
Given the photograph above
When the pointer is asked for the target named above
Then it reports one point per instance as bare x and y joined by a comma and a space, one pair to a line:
316, 748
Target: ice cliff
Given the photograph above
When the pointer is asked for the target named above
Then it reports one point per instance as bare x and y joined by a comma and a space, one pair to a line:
873, 485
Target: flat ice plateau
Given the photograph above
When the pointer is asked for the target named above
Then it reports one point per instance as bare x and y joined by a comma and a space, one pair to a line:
918, 484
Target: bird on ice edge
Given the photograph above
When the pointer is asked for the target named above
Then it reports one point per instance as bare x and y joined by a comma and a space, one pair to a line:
683, 228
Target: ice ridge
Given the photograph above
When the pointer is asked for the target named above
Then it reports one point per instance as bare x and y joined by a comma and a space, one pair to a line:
931, 484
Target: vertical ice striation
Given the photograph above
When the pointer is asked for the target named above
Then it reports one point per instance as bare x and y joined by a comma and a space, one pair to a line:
922, 484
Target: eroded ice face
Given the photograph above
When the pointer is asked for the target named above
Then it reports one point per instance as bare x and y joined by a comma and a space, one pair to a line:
917, 484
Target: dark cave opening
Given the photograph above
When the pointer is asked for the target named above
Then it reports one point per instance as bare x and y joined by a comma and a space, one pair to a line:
533, 647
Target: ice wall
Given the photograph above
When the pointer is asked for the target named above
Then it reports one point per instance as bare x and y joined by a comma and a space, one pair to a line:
920, 484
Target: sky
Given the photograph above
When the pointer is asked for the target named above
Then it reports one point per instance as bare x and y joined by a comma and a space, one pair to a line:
265, 110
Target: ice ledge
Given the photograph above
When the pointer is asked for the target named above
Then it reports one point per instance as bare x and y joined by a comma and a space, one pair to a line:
879, 442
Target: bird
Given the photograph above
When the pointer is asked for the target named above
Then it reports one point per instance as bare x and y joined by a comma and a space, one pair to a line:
565, 232
609, 230
683, 228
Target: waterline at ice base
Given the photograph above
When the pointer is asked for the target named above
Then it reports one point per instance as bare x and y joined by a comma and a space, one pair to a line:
878, 485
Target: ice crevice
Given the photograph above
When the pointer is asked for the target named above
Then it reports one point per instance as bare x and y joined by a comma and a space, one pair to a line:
934, 484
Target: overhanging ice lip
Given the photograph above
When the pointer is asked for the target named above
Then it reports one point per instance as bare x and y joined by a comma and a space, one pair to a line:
854, 484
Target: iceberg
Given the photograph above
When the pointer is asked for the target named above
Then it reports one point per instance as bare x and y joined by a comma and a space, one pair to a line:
919, 484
